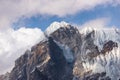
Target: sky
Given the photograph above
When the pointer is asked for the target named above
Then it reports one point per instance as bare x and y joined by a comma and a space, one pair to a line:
22, 22
79, 18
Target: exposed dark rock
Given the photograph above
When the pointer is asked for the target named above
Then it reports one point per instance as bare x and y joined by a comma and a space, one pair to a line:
45, 61
56, 52
69, 36
108, 46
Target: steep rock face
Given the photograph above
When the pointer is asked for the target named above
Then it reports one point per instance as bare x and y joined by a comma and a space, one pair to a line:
45, 61
69, 36
19, 71
71, 54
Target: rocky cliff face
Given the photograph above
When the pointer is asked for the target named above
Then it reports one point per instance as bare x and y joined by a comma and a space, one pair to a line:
70, 53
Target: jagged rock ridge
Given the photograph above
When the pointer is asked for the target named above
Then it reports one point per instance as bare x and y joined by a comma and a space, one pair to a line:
70, 53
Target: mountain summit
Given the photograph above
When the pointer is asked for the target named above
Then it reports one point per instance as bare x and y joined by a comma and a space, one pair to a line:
71, 53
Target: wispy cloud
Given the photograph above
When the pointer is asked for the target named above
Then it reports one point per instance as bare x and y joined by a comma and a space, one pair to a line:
96, 23
12, 10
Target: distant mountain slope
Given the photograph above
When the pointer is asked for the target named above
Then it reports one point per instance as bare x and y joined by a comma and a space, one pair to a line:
70, 53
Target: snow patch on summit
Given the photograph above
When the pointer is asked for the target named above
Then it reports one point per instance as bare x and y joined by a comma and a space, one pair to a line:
54, 26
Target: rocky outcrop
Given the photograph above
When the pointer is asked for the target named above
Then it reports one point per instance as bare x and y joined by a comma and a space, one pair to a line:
108, 46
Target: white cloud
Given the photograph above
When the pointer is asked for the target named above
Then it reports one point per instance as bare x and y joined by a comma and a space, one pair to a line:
15, 43
12, 10
96, 23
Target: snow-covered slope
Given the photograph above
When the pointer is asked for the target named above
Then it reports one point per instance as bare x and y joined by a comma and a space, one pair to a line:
102, 35
108, 62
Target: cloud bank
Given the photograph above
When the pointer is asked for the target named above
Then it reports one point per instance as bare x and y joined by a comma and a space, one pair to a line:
15, 43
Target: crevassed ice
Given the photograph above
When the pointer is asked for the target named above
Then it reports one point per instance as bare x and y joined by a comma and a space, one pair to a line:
54, 26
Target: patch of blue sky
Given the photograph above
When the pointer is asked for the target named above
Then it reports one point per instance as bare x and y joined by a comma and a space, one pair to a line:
43, 21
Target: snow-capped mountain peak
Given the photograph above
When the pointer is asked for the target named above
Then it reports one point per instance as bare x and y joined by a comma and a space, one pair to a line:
87, 53
54, 26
